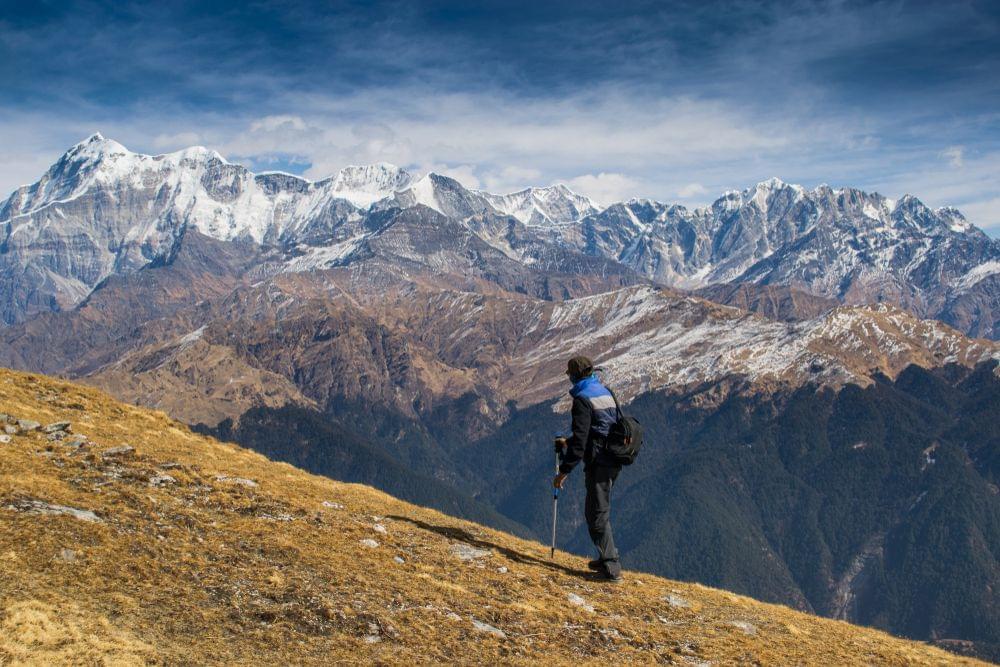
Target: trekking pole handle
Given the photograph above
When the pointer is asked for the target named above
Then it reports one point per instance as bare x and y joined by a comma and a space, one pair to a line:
560, 452
556, 489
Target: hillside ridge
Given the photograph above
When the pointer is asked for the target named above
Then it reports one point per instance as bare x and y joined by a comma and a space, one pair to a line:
132, 540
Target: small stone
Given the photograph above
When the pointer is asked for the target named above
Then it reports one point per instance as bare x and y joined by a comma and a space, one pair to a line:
55, 427
486, 627
368, 542
169, 466
75, 441
399, 559
10, 429
39, 507
332, 505
239, 481
5, 418
695, 662
747, 628
467, 552
55, 436
453, 616
379, 528
676, 601
124, 450
28, 425
66, 556
372, 639
161, 480
4, 439
502, 570
578, 601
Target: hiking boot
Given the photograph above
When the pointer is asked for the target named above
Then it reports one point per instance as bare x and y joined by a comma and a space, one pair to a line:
608, 577
597, 565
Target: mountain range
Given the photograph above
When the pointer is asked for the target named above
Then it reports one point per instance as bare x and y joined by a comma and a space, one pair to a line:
816, 367
102, 210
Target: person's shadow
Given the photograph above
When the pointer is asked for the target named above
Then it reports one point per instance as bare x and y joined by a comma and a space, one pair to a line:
461, 535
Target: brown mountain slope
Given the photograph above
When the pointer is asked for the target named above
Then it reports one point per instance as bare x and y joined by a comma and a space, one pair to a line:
777, 302
414, 349
184, 550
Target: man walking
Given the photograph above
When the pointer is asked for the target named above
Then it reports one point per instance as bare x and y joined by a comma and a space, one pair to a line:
594, 412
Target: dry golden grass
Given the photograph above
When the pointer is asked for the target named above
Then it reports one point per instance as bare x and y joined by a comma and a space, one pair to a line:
208, 570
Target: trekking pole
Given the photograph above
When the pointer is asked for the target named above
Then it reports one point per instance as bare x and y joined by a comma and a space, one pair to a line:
555, 510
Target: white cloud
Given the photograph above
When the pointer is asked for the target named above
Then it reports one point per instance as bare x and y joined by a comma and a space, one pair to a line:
692, 190
954, 155
172, 142
511, 179
604, 188
278, 123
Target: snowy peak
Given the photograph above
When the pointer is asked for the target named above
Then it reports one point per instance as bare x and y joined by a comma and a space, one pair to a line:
71, 174
95, 147
772, 190
443, 194
98, 150
365, 184
550, 205
954, 219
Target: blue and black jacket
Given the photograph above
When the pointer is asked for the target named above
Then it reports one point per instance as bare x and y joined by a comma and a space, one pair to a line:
594, 412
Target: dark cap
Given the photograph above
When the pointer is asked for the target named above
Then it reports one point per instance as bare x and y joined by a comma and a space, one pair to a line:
579, 367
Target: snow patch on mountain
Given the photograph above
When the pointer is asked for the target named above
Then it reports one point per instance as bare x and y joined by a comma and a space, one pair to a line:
648, 339
324, 257
425, 193
977, 274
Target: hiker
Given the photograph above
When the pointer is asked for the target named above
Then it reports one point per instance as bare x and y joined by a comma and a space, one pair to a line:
594, 413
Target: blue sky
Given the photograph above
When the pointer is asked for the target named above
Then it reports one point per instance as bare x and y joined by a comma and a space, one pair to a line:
677, 101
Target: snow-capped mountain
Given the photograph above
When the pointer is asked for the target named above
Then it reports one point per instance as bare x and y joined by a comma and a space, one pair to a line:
775, 232
846, 244
538, 206
365, 185
102, 210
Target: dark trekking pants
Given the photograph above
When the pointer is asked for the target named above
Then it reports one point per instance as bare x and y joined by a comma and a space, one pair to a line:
599, 481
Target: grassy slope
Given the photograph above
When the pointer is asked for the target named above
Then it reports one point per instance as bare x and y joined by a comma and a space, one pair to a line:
210, 571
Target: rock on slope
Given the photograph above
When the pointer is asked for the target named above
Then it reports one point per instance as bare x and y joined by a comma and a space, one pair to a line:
177, 548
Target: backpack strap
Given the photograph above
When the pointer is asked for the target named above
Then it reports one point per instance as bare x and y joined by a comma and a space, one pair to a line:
618, 407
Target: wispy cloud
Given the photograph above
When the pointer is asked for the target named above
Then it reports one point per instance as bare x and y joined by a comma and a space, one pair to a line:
954, 155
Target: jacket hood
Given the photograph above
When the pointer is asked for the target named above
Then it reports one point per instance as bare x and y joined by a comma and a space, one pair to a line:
582, 384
